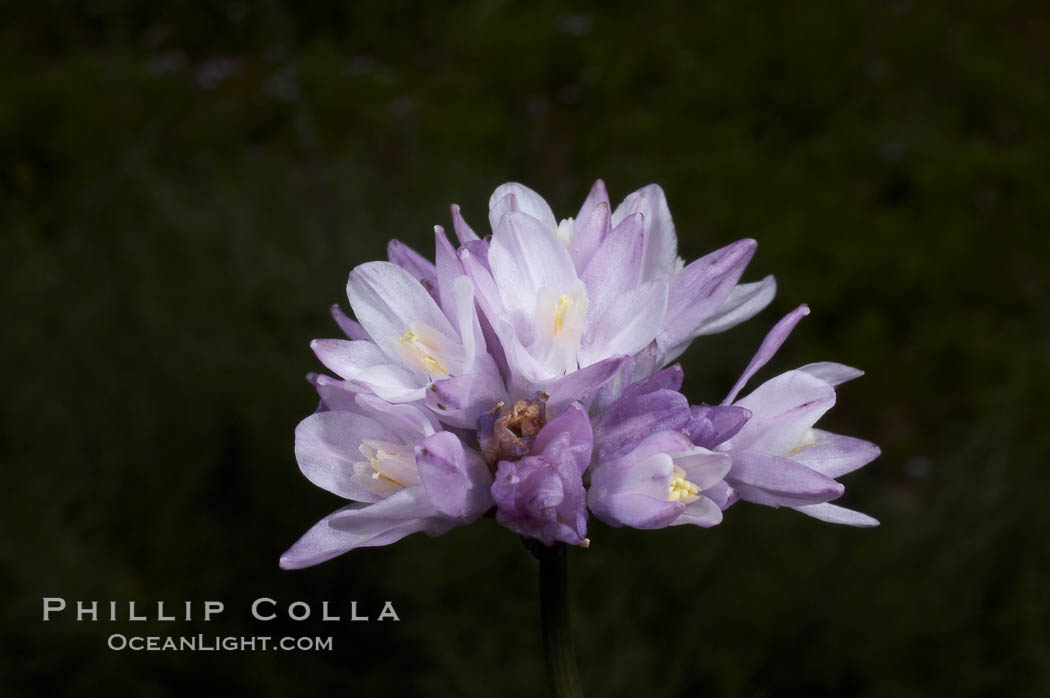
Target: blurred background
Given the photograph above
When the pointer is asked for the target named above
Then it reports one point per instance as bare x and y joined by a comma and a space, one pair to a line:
184, 189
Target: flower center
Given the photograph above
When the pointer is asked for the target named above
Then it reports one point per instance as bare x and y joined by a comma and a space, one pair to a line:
809, 440
560, 311
681, 490
390, 462
417, 350
507, 434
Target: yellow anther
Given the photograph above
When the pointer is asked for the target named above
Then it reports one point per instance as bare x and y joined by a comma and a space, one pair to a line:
560, 311
681, 490
431, 364
374, 462
809, 439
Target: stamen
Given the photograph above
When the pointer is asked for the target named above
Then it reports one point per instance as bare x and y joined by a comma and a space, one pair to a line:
681, 490
430, 364
809, 440
562, 309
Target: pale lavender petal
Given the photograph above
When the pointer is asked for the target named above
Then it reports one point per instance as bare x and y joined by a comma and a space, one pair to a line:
363, 363
768, 348
713, 424
626, 422
835, 455
524, 257
461, 399
699, 289
648, 360
464, 233
447, 269
839, 515
744, 302
596, 198
722, 494
612, 389
567, 439
661, 245
387, 299
527, 201
669, 378
402, 513
414, 263
629, 325
782, 411
774, 481
615, 268
646, 474
665, 442
407, 422
702, 467
476, 267
585, 385
592, 224
832, 373
351, 328
633, 510
336, 395
539, 499
456, 479
703, 512
327, 446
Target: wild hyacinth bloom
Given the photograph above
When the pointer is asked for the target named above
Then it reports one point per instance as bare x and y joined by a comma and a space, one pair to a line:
405, 342
778, 457
565, 295
523, 373
401, 471
654, 464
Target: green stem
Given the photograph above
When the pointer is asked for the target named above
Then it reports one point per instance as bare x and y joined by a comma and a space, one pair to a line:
562, 677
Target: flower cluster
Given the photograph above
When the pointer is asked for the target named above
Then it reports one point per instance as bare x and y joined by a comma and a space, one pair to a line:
529, 373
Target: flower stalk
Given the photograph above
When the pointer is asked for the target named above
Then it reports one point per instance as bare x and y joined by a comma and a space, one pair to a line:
563, 679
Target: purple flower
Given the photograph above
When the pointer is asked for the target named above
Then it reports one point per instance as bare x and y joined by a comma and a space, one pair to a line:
470, 384
404, 341
402, 473
565, 295
664, 480
779, 458
541, 495
654, 463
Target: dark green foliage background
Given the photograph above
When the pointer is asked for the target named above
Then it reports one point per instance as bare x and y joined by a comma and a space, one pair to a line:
182, 194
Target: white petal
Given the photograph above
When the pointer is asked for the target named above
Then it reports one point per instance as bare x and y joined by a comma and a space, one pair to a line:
524, 258
703, 512
772, 342
327, 444
661, 245
782, 411
702, 467
836, 514
525, 200
744, 302
835, 455
387, 299
616, 266
832, 373
362, 363
629, 325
